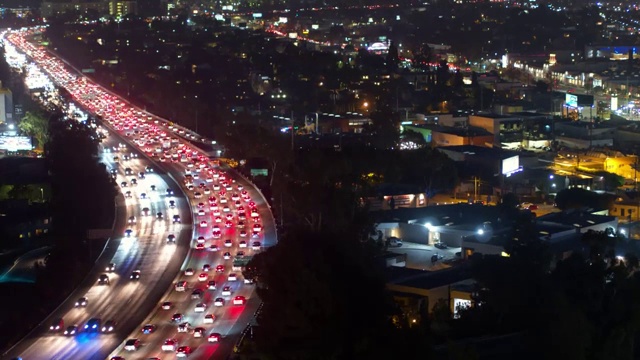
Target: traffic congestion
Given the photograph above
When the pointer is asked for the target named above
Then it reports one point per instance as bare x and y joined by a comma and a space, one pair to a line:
209, 303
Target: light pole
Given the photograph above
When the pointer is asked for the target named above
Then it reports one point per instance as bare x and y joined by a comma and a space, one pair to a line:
42, 194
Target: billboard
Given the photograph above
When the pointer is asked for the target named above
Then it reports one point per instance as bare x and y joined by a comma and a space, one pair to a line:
510, 165
576, 100
15, 143
571, 100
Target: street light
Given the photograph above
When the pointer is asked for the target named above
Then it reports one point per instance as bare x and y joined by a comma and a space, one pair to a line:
42, 194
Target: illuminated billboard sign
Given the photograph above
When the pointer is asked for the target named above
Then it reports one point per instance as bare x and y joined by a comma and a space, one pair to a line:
511, 165
571, 100
15, 143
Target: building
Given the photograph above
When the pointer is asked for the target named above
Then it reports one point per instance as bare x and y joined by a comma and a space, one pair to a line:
584, 135
52, 8
516, 130
451, 136
121, 8
114, 8
416, 289
6, 105
563, 231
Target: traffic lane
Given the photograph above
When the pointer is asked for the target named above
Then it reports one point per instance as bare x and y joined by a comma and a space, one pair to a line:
32, 339
185, 305
269, 231
225, 317
62, 343
100, 299
197, 232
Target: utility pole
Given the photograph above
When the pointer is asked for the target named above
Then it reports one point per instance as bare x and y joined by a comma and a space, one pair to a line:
196, 120
476, 182
292, 132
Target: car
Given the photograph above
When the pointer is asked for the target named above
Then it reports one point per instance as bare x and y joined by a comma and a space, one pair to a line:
196, 294
198, 332
228, 243
203, 224
92, 325
172, 204
255, 235
128, 233
103, 279
199, 246
200, 205
141, 175
169, 192
440, 245
257, 227
243, 233
181, 286
148, 329
142, 195
226, 291
207, 191
149, 169
240, 188
176, 219
218, 302
214, 247
248, 281
82, 302
135, 275
206, 267
183, 351
201, 212
217, 219
132, 345
232, 277
241, 225
134, 182
220, 268
208, 319
226, 209
189, 272
216, 187
110, 268
184, 327
239, 300
242, 244
159, 216
227, 256
214, 337
128, 195
217, 234
71, 330
57, 325
170, 345
128, 171
240, 254
235, 197
177, 317
200, 240
171, 238
242, 216
132, 219
108, 326
211, 285
203, 277
167, 305
197, 195
123, 184
152, 188
145, 211
200, 307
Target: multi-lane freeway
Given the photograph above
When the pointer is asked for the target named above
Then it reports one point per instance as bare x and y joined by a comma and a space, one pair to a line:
231, 221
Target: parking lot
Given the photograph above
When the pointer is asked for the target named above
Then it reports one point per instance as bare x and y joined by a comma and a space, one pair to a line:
419, 256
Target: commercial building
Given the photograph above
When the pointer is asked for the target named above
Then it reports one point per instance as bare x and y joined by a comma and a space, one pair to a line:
115, 8
516, 130
584, 135
6, 105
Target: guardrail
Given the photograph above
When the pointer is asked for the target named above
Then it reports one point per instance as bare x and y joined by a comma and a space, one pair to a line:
245, 332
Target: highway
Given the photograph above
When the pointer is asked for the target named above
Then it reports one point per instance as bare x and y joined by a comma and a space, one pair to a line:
145, 250
171, 150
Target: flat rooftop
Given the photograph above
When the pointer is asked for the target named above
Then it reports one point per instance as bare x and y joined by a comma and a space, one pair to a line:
427, 279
